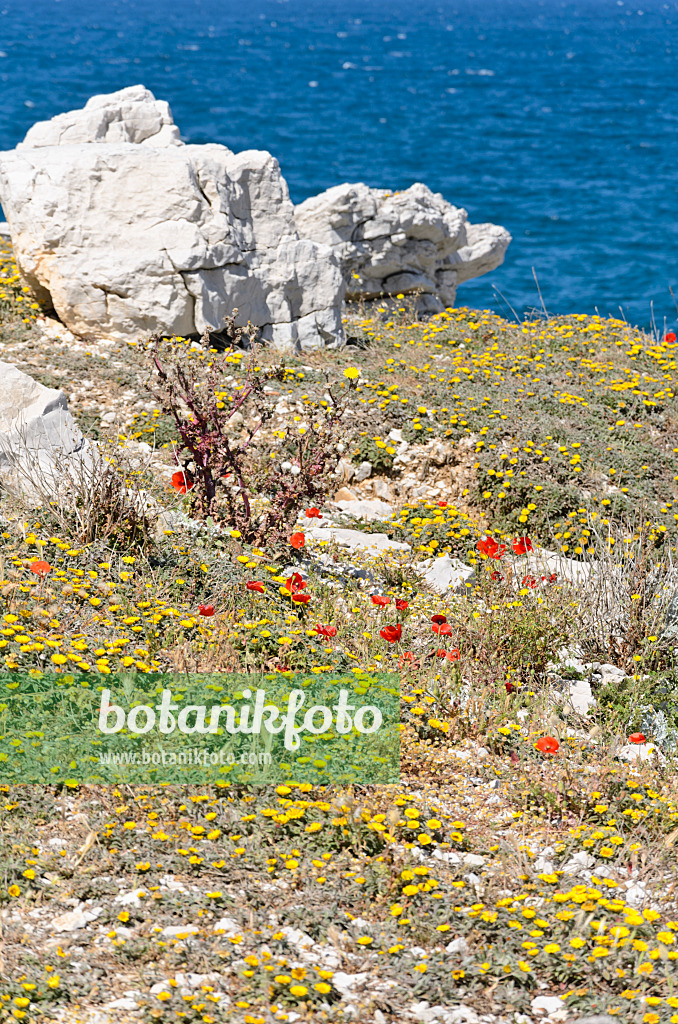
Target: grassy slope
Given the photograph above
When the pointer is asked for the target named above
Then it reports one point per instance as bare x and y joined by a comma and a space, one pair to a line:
549, 429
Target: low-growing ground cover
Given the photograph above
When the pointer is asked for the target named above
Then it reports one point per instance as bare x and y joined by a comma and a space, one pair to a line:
522, 854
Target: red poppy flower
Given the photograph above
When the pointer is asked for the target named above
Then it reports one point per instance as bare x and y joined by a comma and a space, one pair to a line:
380, 601
391, 633
297, 541
521, 545
313, 513
401, 604
295, 583
301, 598
438, 618
326, 630
442, 504
489, 547
454, 654
41, 568
637, 737
181, 481
444, 629
530, 581
553, 577
206, 609
255, 585
670, 338
496, 576
510, 688
406, 658
547, 744
441, 653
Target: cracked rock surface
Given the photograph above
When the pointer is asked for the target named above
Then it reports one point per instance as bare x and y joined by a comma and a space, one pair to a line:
122, 229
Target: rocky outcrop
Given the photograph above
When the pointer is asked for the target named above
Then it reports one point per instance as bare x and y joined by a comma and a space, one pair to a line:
122, 230
41, 445
401, 242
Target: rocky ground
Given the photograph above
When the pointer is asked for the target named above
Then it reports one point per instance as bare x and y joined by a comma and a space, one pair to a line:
524, 867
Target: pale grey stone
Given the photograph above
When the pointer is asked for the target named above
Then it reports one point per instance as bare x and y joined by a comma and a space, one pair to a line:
369, 509
41, 445
412, 241
123, 230
447, 574
355, 540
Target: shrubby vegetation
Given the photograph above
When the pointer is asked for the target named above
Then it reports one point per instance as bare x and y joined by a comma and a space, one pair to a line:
561, 433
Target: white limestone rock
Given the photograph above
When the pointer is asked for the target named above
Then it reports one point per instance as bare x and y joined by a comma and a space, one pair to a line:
580, 697
130, 115
355, 540
446, 575
368, 509
41, 445
399, 242
73, 920
122, 230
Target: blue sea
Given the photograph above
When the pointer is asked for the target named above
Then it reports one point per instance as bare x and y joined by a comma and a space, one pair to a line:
557, 119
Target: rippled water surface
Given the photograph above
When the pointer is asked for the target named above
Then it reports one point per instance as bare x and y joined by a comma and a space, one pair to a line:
557, 119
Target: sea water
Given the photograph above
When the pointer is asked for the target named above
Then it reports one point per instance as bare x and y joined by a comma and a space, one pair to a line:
555, 118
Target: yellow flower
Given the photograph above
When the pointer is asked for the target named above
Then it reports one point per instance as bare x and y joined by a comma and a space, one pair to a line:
14, 890
351, 372
322, 987
298, 990
365, 940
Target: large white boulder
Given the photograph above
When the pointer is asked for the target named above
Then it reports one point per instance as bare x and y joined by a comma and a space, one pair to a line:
401, 242
41, 446
122, 229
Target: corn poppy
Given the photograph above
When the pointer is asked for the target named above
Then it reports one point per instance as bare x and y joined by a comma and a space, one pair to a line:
637, 737
41, 568
521, 545
255, 585
391, 633
438, 618
489, 547
510, 688
406, 658
496, 576
380, 601
297, 541
295, 583
441, 653
181, 481
206, 609
401, 604
301, 598
670, 337
530, 581
454, 654
547, 745
442, 629
442, 504
326, 630
313, 513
